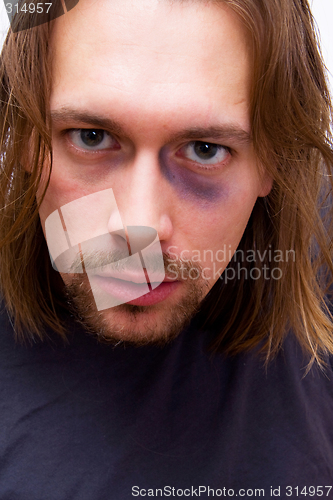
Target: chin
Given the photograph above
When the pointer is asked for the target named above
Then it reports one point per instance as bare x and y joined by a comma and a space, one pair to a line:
134, 324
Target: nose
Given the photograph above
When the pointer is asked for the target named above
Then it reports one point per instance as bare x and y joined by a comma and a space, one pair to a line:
144, 204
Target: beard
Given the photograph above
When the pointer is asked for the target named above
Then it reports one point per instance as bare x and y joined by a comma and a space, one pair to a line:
136, 324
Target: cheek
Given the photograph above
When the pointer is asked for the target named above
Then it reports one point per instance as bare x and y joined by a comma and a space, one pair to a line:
197, 189
218, 233
60, 191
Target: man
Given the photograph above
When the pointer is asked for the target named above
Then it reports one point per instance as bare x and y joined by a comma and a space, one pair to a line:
174, 160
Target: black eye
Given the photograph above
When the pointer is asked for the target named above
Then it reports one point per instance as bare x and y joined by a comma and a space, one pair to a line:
205, 150
205, 153
92, 138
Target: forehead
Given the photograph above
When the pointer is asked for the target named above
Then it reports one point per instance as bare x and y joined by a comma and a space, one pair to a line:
152, 56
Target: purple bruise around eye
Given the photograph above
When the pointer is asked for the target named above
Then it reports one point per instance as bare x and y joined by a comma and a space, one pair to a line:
191, 185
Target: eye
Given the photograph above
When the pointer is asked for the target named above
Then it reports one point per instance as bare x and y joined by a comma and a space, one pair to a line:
205, 153
92, 139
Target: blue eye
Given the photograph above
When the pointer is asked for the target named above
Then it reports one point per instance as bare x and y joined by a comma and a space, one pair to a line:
205, 153
92, 139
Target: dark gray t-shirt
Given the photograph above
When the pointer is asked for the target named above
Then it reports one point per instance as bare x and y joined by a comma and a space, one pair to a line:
87, 421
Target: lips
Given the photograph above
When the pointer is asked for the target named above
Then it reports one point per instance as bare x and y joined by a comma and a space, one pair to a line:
160, 293
129, 287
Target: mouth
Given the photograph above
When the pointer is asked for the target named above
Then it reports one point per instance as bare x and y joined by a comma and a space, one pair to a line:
130, 288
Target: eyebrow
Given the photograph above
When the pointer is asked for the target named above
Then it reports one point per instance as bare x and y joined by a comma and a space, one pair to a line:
223, 132
219, 132
66, 115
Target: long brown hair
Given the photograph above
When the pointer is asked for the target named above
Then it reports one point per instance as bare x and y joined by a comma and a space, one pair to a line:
290, 115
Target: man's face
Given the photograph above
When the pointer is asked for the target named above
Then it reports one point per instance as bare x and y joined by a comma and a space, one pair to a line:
151, 99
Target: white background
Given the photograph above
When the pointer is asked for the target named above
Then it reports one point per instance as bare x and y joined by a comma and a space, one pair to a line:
322, 10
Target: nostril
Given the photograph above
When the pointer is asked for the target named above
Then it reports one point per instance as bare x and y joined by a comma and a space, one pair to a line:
140, 237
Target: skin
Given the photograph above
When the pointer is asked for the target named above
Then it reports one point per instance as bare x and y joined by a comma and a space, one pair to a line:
156, 76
